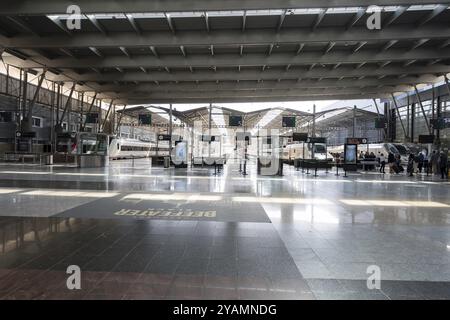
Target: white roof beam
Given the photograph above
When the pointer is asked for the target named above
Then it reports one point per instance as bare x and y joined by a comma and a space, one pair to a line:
229, 37
319, 18
206, 20
419, 43
438, 10
154, 51
231, 75
229, 60
397, 14
244, 20
280, 22
300, 48
169, 22
125, 51
330, 46
361, 12
145, 6
359, 46
57, 21
388, 45
183, 51
96, 52
96, 24
133, 23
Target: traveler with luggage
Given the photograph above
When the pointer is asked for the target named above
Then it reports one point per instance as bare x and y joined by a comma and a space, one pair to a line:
434, 160
382, 163
391, 162
410, 168
443, 165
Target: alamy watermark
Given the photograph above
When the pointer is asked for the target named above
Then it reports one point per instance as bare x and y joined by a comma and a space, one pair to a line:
374, 279
73, 21
74, 280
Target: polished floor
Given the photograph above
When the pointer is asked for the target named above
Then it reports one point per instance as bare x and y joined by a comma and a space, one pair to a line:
139, 232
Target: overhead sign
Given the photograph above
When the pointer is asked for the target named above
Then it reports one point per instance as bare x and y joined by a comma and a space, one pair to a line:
288, 122
235, 121
145, 119
350, 153
440, 123
426, 139
29, 134
317, 140
300, 137
380, 123
357, 141
243, 136
91, 118
164, 137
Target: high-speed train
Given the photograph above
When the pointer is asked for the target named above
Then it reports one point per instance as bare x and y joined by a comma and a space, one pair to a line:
376, 148
317, 151
120, 148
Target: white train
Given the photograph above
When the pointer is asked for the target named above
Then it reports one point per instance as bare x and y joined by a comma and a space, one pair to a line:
317, 151
383, 148
120, 148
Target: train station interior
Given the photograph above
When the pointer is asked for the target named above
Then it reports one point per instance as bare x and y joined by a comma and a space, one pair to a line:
225, 150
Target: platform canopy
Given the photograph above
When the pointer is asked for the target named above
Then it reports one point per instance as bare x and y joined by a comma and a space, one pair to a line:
214, 51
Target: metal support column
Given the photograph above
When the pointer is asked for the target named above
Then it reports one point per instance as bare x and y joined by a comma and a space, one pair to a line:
209, 128
413, 121
83, 126
58, 104
423, 110
106, 116
24, 96
52, 118
379, 117
81, 106
170, 128
447, 83
399, 117
67, 105
314, 122
29, 116
354, 122
120, 120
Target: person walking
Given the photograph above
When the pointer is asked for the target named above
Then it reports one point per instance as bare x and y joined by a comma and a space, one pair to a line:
443, 165
420, 160
382, 163
434, 161
410, 168
391, 162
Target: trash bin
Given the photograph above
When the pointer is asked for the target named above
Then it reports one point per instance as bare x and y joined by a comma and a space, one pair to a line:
166, 162
49, 159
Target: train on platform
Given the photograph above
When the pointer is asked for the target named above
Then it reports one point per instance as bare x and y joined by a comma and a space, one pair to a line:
121, 148
316, 151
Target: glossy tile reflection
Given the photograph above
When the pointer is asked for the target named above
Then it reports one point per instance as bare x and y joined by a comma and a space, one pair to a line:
193, 235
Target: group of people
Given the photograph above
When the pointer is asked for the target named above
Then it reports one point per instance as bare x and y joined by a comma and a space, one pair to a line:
436, 164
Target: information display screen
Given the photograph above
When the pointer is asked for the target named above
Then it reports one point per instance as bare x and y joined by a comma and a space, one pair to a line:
145, 119
235, 121
181, 151
440, 123
288, 122
380, 123
426, 139
91, 117
350, 154
300, 137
